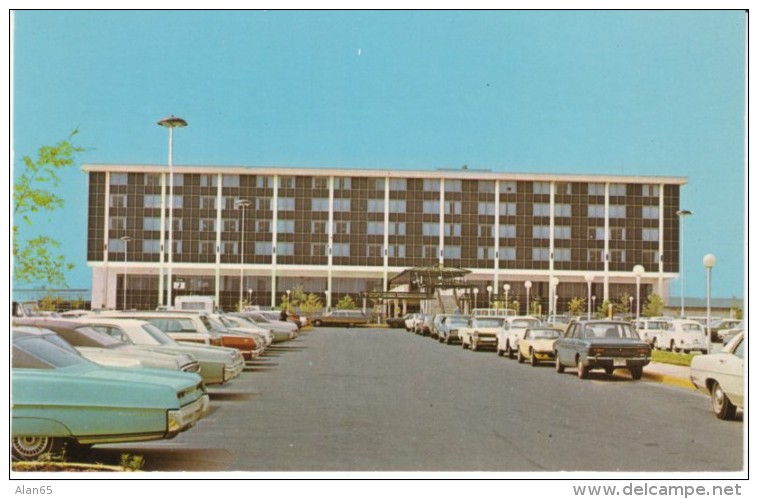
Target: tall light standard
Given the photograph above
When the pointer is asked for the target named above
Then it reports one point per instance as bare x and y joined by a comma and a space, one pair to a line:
476, 293
126, 240
682, 214
528, 286
589, 278
171, 122
709, 261
554, 281
241, 204
507, 289
592, 310
638, 270
489, 296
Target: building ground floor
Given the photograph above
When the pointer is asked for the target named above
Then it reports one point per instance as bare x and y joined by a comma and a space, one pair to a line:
138, 286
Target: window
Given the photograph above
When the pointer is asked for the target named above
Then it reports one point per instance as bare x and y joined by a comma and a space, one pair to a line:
541, 210
263, 226
618, 256
430, 229
563, 210
318, 227
231, 181
229, 248
507, 253
507, 209
231, 225
486, 230
596, 211
286, 182
562, 232
453, 207
508, 187
263, 248
649, 234
152, 201
507, 231
118, 201
596, 189
286, 204
341, 249
119, 178
397, 206
318, 249
617, 190
378, 184
263, 204
485, 253
375, 228
617, 211
285, 249
206, 247
396, 251
151, 246
178, 224
398, 184
431, 184
432, 207
117, 223
562, 254
650, 212
486, 186
650, 256
486, 208
116, 245
453, 230
178, 202
178, 179
207, 202
397, 228
541, 231
342, 205
151, 223
374, 250
285, 226
618, 234
153, 179
321, 183
430, 251
230, 202
453, 185
596, 233
452, 251
264, 182
207, 225
208, 180
375, 206
342, 183
562, 188
341, 227
595, 255
650, 190
540, 254
541, 187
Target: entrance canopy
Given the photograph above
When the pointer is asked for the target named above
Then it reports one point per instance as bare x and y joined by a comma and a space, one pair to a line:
429, 279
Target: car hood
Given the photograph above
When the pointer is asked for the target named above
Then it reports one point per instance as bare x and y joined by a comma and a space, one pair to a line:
119, 356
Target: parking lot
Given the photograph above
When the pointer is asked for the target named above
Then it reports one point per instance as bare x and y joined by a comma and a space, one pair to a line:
363, 399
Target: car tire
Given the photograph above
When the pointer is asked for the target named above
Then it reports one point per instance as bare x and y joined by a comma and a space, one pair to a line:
673, 347
520, 357
500, 352
35, 448
317, 323
581, 369
474, 345
532, 360
636, 372
722, 406
463, 344
609, 371
655, 344
447, 340
509, 351
558, 366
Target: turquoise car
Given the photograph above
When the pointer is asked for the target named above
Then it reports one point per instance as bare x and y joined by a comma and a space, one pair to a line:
60, 398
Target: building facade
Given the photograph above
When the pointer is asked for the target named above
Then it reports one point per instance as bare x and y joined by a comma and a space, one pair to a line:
251, 233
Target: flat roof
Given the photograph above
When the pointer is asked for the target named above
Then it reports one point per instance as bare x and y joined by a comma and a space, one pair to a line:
464, 174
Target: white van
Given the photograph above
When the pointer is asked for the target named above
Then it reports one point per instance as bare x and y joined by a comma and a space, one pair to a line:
195, 302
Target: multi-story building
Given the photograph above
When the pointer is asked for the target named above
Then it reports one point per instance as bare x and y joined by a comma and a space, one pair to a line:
253, 232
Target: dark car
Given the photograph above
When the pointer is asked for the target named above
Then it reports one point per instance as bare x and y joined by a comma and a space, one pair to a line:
396, 322
601, 344
347, 318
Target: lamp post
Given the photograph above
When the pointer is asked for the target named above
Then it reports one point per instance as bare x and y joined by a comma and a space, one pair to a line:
528, 286
250, 296
289, 292
682, 214
126, 240
709, 261
489, 295
328, 301
631, 302
589, 278
592, 310
241, 204
554, 281
171, 122
638, 270
476, 292
507, 289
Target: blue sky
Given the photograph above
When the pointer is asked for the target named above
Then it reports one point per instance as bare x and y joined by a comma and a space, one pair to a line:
620, 92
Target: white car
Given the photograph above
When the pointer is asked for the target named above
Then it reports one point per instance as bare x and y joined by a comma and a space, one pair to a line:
481, 331
513, 331
722, 376
683, 335
651, 330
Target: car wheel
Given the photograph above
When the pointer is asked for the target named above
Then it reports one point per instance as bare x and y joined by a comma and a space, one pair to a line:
636, 372
317, 322
722, 406
500, 352
447, 340
609, 371
655, 344
558, 366
463, 344
532, 359
509, 351
581, 369
520, 357
673, 347
474, 345
34, 448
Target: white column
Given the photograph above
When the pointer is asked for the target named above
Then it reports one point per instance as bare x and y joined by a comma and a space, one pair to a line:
106, 239
661, 246
219, 221
274, 238
330, 243
496, 234
606, 242
162, 242
386, 232
441, 243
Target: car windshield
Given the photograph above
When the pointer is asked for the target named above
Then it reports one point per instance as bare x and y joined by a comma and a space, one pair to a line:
174, 325
488, 322
692, 328
456, 321
43, 352
158, 336
525, 323
609, 330
213, 325
655, 325
542, 334
89, 337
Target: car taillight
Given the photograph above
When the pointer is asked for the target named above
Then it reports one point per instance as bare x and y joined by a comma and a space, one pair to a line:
596, 351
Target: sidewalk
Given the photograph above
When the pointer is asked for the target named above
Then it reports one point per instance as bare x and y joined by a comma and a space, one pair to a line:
666, 373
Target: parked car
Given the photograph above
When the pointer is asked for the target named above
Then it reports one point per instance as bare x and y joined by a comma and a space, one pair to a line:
447, 330
410, 322
59, 398
481, 331
218, 365
108, 351
396, 322
435, 325
719, 326
347, 318
424, 325
683, 335
722, 376
558, 321
237, 321
513, 330
601, 344
727, 334
537, 344
651, 330
282, 331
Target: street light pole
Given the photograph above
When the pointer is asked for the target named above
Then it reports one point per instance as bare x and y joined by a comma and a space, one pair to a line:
589, 278
709, 261
241, 204
507, 289
171, 122
682, 214
489, 296
528, 286
638, 271
554, 281
126, 240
